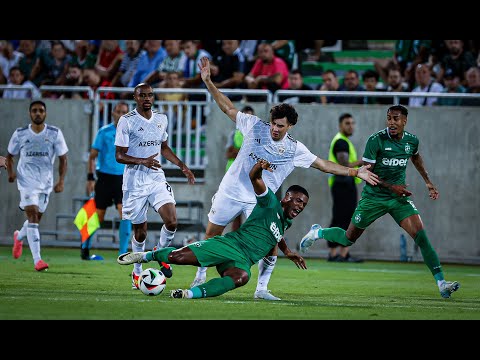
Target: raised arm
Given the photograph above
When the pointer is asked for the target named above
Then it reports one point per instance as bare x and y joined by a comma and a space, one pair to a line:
328, 166
256, 176
222, 101
168, 154
417, 161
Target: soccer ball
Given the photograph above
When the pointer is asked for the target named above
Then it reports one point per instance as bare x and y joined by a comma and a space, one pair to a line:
152, 282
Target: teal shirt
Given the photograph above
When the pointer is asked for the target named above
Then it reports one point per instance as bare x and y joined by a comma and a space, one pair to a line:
263, 229
105, 144
389, 160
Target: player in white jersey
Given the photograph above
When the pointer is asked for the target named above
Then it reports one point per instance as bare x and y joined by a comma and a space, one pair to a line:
140, 139
261, 140
37, 145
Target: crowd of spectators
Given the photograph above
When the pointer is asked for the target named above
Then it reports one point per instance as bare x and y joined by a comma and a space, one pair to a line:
417, 66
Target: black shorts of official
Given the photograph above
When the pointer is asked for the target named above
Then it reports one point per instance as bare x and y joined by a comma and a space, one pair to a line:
344, 197
108, 190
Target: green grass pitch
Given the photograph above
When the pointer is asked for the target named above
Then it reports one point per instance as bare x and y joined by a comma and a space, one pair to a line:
76, 289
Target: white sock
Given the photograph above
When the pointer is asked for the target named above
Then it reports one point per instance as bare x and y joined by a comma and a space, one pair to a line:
189, 294
201, 273
166, 237
33, 237
23, 231
265, 268
137, 247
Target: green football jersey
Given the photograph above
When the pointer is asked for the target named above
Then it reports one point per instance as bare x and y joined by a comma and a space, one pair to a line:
389, 160
263, 229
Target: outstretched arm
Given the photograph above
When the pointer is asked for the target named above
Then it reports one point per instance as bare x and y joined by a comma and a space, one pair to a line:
168, 154
256, 176
297, 259
337, 169
222, 101
417, 161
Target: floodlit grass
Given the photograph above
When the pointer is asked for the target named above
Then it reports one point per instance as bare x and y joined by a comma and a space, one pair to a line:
76, 289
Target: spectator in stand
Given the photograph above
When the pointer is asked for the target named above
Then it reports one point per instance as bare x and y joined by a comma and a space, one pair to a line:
295, 81
8, 59
457, 59
92, 78
452, 85
395, 83
149, 61
210, 46
172, 81
228, 68
425, 83
351, 82
269, 71
53, 66
109, 59
174, 61
330, 83
83, 57
74, 78
249, 50
191, 73
284, 49
370, 81
473, 86
408, 54
17, 78
30, 55
311, 50
128, 66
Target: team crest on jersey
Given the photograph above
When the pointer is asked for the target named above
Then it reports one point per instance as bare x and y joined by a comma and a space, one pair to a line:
407, 148
281, 150
159, 126
358, 218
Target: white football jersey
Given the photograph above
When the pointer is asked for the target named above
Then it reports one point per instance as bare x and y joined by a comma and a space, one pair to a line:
144, 138
283, 155
37, 155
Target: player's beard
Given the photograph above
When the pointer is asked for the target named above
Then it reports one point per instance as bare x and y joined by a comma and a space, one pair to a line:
38, 120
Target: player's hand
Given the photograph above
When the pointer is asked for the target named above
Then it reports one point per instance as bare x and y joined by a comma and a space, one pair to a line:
204, 67
58, 187
151, 162
90, 187
400, 190
189, 174
265, 165
3, 162
367, 175
433, 192
297, 259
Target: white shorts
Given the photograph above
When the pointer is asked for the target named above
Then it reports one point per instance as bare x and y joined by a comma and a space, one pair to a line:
34, 198
225, 209
135, 203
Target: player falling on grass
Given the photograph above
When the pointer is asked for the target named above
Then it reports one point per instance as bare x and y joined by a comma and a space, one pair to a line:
234, 253
262, 140
140, 138
37, 144
388, 151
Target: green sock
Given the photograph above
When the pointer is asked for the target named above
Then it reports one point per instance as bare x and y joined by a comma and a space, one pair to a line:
160, 255
213, 287
336, 235
430, 257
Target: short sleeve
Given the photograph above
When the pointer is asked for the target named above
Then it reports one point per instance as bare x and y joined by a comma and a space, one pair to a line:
340, 146
246, 121
371, 150
303, 157
60, 144
13, 144
416, 147
97, 143
267, 200
121, 137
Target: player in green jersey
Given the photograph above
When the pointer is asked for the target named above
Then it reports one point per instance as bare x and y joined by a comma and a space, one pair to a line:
234, 253
388, 151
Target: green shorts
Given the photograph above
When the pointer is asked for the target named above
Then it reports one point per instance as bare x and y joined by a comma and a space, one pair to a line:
368, 210
220, 252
